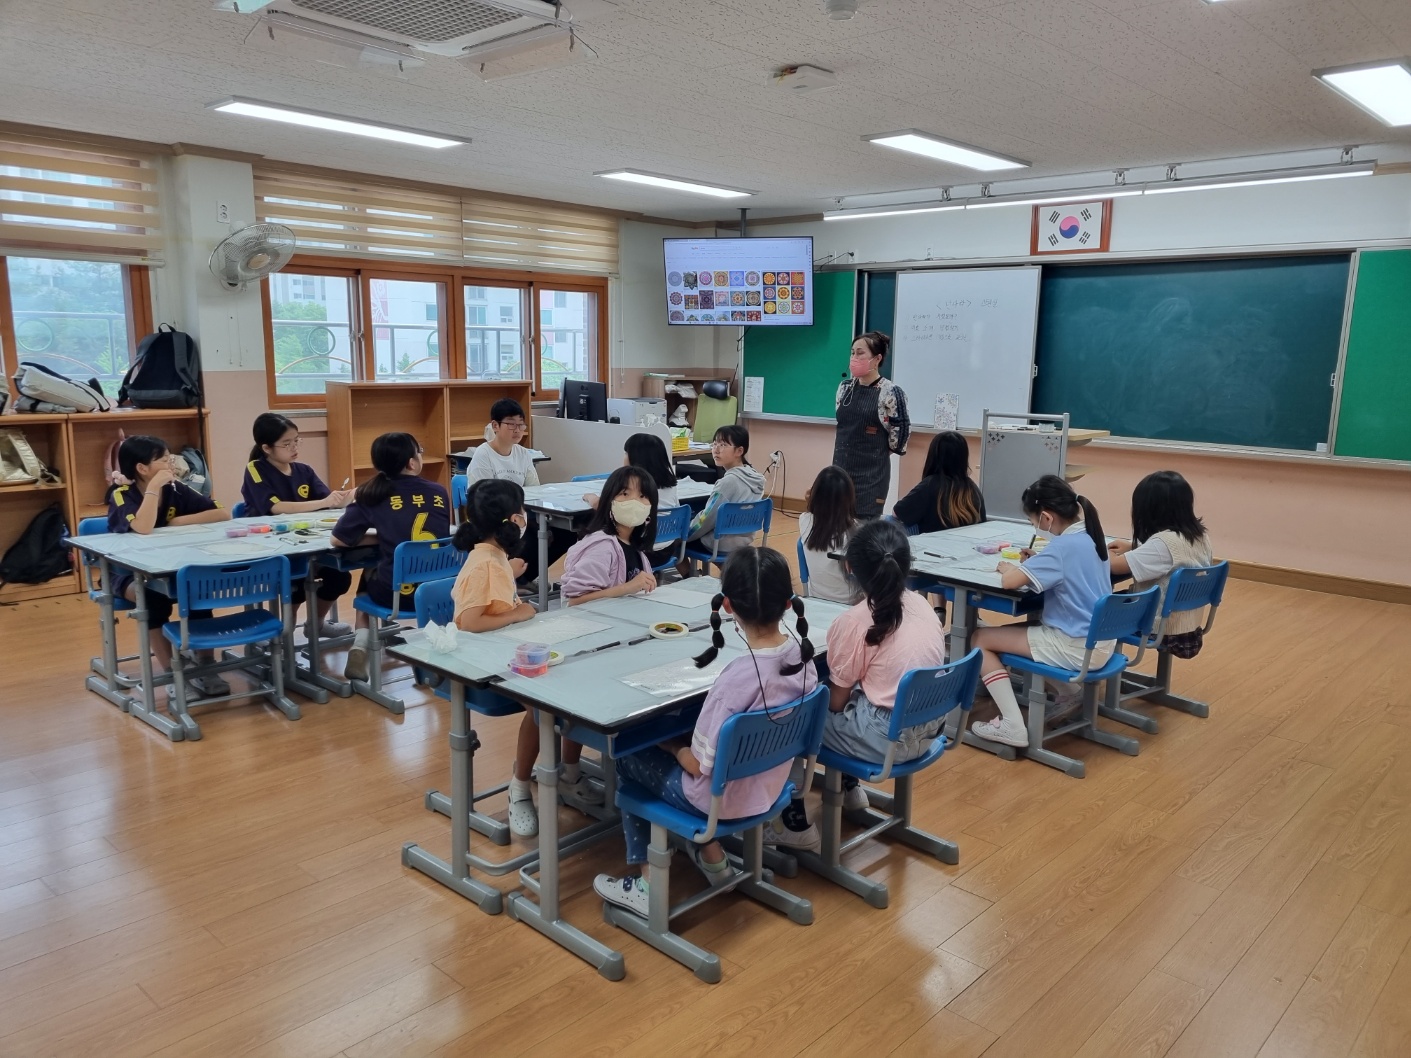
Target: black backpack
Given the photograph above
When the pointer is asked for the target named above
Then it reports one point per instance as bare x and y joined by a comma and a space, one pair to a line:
165, 373
40, 553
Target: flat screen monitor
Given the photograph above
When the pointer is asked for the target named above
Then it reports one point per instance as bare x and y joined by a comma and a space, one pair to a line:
584, 400
739, 282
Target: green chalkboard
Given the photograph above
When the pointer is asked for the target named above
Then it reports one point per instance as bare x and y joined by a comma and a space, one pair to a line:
1237, 352
1374, 417
877, 304
801, 365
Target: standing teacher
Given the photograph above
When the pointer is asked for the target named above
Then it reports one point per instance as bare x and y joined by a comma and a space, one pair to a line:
872, 423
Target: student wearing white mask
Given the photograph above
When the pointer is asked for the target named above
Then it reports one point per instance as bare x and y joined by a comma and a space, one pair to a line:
611, 560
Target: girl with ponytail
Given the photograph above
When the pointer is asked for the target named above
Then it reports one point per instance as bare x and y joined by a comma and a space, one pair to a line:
775, 674
1074, 574
399, 505
870, 648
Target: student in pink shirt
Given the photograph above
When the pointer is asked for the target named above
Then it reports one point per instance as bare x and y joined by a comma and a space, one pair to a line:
611, 559
756, 588
870, 648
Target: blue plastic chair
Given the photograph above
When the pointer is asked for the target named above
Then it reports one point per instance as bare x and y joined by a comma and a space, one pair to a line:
247, 585
750, 743
460, 488
803, 562
413, 562
590, 477
1189, 588
925, 697
238, 511
434, 604
1121, 617
673, 526
733, 519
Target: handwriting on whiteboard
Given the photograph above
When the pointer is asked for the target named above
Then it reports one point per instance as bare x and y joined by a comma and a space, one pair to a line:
937, 326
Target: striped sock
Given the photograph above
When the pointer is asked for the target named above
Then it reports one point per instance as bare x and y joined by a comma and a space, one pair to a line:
1002, 691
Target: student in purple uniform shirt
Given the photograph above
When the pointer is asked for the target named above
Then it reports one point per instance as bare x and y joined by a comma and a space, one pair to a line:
611, 559
400, 505
153, 499
276, 484
777, 673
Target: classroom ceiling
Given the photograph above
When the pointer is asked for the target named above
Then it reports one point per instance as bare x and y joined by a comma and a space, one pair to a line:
682, 87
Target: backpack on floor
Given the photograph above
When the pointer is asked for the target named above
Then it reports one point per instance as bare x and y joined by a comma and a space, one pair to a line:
45, 387
165, 372
40, 553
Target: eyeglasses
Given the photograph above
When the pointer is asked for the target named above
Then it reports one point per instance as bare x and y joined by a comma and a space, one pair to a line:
287, 445
722, 444
511, 424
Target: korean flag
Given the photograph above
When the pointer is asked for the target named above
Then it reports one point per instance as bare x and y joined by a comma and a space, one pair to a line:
1071, 226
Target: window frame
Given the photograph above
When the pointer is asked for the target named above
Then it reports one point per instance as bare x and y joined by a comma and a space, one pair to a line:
137, 306
451, 312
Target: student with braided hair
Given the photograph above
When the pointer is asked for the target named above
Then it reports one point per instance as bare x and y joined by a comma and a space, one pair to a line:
775, 674
870, 648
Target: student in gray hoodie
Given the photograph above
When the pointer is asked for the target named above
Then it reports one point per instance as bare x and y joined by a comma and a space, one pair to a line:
740, 484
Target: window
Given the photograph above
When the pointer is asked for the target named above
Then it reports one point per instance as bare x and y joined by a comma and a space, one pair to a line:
405, 348
79, 318
507, 314
494, 352
431, 313
311, 333
560, 299
570, 350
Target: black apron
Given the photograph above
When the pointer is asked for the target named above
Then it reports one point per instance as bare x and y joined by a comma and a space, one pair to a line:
860, 447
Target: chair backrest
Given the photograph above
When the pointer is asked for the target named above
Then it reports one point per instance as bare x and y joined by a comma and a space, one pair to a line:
418, 561
673, 525
926, 695
231, 584
238, 511
92, 526
803, 561
740, 519
460, 487
434, 603
589, 477
1121, 615
761, 739
1190, 587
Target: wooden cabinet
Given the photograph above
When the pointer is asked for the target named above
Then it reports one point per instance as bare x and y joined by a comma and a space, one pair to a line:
76, 448
654, 384
446, 416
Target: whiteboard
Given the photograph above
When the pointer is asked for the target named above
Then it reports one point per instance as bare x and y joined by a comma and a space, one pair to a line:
968, 331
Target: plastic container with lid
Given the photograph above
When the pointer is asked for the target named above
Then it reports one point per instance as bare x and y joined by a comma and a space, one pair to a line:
530, 659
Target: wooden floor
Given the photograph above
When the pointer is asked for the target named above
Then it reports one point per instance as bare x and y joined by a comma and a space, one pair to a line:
1241, 888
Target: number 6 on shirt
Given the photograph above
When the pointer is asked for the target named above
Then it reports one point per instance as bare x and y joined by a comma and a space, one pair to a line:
419, 527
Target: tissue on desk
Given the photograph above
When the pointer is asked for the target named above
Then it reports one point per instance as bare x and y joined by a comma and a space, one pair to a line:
442, 637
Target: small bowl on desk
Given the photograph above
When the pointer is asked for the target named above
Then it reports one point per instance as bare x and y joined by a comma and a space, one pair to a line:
555, 657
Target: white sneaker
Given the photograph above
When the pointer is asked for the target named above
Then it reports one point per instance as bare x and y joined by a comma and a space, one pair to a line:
630, 893
355, 668
810, 840
524, 818
334, 630
720, 875
1001, 730
1067, 698
855, 799
581, 789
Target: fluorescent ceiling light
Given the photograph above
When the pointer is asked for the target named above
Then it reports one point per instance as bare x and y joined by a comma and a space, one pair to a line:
253, 108
900, 211
1254, 181
1092, 194
632, 176
1381, 89
929, 146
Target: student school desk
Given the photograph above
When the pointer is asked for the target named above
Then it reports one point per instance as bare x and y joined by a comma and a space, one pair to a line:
590, 698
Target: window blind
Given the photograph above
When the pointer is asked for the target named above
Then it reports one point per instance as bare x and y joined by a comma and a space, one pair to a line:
60, 201
370, 220
522, 235
336, 217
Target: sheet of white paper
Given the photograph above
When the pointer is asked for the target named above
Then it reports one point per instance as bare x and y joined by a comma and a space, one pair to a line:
181, 530
947, 410
675, 597
754, 393
546, 631
675, 677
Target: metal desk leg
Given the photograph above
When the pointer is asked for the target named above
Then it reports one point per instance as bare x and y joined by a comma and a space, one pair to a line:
544, 915
106, 683
311, 683
543, 521
456, 874
145, 707
963, 621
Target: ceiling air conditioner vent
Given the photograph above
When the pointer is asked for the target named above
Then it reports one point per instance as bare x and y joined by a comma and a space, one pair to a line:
441, 27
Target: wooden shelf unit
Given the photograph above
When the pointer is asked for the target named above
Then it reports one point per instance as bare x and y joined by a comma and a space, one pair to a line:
445, 416
76, 448
654, 384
